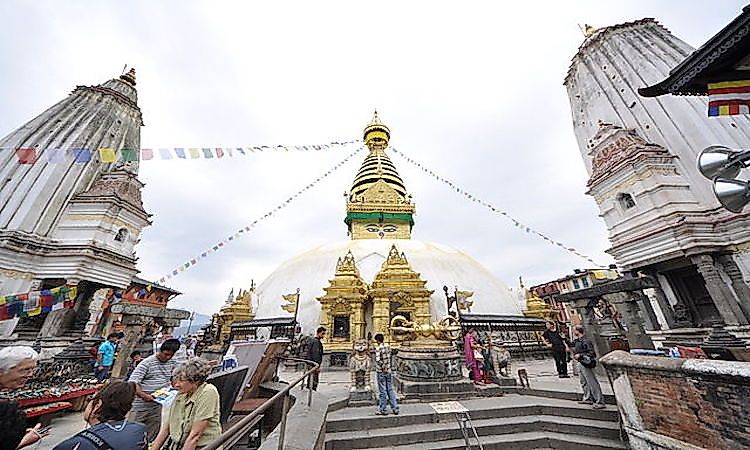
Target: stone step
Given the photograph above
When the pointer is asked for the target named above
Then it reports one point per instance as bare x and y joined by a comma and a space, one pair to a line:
449, 430
520, 441
358, 419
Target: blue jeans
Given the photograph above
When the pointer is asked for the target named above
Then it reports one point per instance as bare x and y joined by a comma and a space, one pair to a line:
386, 393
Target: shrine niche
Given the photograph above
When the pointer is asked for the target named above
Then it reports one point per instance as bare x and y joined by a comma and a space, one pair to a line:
398, 291
343, 306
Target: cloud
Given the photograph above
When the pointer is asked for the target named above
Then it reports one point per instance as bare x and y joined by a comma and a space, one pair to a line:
474, 92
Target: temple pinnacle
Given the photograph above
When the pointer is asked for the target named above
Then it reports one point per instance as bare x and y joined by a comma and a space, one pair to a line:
129, 77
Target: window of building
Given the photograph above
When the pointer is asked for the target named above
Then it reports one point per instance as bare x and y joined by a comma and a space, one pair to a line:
576, 285
122, 235
585, 281
341, 327
626, 201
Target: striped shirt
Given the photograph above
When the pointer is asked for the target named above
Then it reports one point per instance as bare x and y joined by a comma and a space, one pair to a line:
151, 375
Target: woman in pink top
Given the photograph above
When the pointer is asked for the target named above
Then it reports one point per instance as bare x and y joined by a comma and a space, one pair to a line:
470, 345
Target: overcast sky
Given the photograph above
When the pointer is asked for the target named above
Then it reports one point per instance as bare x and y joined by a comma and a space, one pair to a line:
472, 90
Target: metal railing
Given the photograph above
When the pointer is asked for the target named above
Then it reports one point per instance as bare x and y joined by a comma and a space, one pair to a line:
240, 429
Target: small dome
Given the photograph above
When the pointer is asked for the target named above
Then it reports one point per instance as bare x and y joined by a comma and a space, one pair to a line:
438, 265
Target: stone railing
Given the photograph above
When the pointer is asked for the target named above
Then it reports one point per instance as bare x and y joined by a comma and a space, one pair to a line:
672, 403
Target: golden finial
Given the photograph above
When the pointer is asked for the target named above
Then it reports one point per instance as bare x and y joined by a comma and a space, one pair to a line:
587, 30
129, 77
376, 134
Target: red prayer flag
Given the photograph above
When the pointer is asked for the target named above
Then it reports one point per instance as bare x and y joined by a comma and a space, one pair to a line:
147, 153
219, 152
26, 155
4, 313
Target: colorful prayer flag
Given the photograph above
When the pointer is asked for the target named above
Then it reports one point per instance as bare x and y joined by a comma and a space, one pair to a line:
128, 154
146, 154
165, 153
180, 152
207, 153
26, 155
81, 155
194, 153
729, 98
219, 152
107, 155
55, 155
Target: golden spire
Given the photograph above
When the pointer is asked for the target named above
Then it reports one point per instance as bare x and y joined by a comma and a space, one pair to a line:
588, 30
376, 134
129, 77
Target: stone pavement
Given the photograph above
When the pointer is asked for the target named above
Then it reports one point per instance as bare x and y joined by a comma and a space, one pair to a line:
335, 385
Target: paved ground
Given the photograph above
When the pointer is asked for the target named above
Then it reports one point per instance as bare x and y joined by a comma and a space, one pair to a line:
335, 385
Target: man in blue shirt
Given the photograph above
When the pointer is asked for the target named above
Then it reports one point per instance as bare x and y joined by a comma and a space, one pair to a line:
105, 357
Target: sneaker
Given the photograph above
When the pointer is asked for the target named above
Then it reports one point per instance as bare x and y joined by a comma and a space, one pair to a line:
599, 406
395, 412
585, 402
381, 413
565, 375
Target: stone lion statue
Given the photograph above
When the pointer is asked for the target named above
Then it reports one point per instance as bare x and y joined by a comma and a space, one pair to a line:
360, 365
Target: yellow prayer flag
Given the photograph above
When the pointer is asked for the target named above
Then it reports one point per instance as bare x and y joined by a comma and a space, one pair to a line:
2, 300
107, 155
73, 292
194, 153
34, 312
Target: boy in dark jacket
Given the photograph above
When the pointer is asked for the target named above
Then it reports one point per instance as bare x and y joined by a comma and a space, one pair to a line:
315, 353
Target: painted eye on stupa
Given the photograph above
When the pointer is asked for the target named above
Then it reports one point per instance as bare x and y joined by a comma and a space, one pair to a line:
372, 228
389, 228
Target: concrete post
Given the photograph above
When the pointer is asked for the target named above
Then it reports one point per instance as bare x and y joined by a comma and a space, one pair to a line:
741, 289
627, 305
720, 292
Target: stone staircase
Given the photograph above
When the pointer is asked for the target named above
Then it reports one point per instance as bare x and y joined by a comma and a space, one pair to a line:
511, 421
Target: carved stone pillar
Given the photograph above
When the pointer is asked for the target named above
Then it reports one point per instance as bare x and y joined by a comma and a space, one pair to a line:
627, 305
649, 315
135, 329
585, 308
664, 306
738, 283
720, 292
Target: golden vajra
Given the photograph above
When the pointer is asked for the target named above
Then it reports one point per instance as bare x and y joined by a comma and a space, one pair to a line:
446, 329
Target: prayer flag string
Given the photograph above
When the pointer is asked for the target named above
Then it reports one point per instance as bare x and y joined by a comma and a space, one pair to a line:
243, 231
517, 223
32, 155
30, 304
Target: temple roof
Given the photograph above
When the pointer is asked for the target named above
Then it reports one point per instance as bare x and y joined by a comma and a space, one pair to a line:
724, 57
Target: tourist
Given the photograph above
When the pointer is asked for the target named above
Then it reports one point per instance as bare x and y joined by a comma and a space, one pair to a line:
386, 393
152, 374
105, 413
585, 356
105, 357
194, 418
15, 435
17, 365
134, 360
556, 342
473, 355
315, 353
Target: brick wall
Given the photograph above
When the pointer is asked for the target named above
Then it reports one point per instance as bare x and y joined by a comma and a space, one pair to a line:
668, 401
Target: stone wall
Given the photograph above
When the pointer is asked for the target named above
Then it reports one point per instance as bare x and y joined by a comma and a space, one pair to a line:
672, 403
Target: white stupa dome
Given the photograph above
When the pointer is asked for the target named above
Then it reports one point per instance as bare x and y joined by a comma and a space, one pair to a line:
438, 265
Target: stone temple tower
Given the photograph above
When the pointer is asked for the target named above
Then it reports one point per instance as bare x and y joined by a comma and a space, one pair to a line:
640, 153
67, 218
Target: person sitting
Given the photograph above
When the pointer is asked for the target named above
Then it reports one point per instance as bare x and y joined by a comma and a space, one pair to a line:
135, 359
17, 365
13, 423
105, 413
194, 419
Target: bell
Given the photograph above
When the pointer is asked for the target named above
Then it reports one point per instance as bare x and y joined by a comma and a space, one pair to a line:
733, 194
719, 161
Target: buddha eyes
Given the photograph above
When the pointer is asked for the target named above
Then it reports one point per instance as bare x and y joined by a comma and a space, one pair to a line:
373, 228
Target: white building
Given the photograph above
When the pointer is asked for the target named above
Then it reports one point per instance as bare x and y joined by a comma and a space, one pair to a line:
640, 153
64, 221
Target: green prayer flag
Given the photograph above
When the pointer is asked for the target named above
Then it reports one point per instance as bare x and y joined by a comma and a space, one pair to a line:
129, 154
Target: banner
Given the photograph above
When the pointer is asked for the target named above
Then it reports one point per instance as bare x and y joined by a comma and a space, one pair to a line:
30, 304
729, 98
30, 155
242, 231
516, 223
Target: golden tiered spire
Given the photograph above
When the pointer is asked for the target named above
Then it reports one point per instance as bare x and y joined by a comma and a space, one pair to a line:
378, 206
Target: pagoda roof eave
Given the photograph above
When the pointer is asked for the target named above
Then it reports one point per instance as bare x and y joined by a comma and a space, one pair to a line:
714, 61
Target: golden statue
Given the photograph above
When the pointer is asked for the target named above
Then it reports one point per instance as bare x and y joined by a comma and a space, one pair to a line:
443, 331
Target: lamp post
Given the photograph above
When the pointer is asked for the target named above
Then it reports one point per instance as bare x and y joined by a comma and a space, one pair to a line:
722, 165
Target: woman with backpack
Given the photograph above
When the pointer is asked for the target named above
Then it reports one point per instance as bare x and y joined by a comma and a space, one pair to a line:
585, 356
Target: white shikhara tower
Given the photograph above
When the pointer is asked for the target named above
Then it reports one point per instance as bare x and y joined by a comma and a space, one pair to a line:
63, 221
640, 153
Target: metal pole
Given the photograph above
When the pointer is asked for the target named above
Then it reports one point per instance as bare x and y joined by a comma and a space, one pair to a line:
282, 429
309, 391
